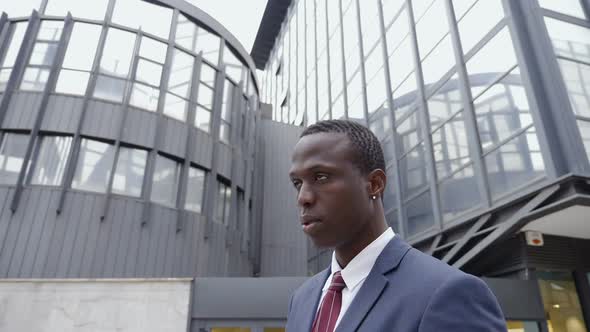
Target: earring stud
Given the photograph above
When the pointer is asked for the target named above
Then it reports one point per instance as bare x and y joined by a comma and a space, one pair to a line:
373, 197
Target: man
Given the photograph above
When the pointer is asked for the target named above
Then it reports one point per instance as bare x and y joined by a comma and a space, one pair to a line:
376, 281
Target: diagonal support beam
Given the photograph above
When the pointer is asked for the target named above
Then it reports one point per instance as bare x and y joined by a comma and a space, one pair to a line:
466, 237
507, 226
434, 244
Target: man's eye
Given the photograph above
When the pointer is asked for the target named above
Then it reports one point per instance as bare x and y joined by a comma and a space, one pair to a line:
296, 184
321, 177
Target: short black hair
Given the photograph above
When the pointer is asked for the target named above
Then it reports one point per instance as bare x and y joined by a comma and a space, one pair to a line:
364, 142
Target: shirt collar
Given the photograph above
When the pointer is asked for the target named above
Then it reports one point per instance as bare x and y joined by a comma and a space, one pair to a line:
360, 266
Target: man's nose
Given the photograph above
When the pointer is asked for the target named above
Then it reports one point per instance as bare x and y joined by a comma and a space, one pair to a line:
305, 197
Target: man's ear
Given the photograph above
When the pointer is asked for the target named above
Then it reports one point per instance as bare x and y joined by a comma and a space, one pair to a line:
377, 180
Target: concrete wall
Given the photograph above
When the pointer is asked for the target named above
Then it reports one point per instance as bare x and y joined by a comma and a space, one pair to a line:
94, 306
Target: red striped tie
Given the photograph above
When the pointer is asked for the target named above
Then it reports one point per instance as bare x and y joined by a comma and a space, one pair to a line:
325, 320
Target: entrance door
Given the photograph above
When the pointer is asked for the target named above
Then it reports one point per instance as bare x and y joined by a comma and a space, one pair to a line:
523, 326
561, 302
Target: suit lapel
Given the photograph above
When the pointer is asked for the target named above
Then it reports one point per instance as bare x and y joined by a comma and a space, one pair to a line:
311, 301
374, 285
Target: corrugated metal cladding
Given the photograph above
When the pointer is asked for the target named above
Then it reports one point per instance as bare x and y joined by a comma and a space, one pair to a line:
283, 244
37, 243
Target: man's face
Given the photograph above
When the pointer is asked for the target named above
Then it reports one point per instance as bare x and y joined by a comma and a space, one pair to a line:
332, 194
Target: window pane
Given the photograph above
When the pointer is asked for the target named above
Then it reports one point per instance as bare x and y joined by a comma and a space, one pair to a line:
445, 102
223, 203
72, 82
234, 68
50, 30
203, 119
82, 46
181, 74
94, 10
153, 50
420, 216
118, 50
226, 103
109, 88
224, 132
12, 154
43, 54
34, 79
175, 107
438, 62
4, 77
561, 301
478, 21
15, 43
197, 39
492, 61
459, 193
149, 72
432, 27
20, 8
144, 96
205, 96
577, 82
129, 172
413, 170
208, 74
410, 131
501, 111
584, 127
51, 162
514, 164
194, 193
93, 168
165, 181
569, 7
153, 19
569, 40
450, 146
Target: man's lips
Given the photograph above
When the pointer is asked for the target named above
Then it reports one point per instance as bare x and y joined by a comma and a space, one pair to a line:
308, 220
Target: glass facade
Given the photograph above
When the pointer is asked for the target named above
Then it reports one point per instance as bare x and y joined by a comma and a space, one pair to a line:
164, 61
441, 85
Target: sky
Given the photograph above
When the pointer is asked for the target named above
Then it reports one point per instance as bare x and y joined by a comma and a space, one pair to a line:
240, 17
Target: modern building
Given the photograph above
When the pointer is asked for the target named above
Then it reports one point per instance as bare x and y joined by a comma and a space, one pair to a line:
142, 163
483, 110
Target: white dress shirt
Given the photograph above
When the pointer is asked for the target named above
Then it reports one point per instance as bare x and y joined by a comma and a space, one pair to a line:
357, 270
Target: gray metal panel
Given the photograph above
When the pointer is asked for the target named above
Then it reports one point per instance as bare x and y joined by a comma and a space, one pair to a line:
73, 223
203, 148
224, 161
62, 114
132, 252
519, 299
24, 226
210, 297
117, 220
128, 225
175, 133
22, 110
140, 127
10, 239
101, 119
88, 217
283, 244
91, 243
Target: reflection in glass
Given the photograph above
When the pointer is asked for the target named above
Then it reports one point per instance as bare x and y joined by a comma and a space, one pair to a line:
181, 73
194, 190
153, 19
569, 7
208, 74
129, 172
234, 68
501, 111
450, 146
43, 54
561, 302
203, 119
175, 107
431, 27
117, 53
12, 154
94, 165
401, 63
94, 10
153, 49
109, 88
515, 163
458, 193
50, 30
223, 202
410, 131
445, 102
194, 38
165, 181
577, 82
569, 40
205, 96
51, 162
492, 61
18, 33
478, 21
144, 96
20, 8
82, 46
34, 79
390, 192
414, 175
420, 215
522, 326
72, 82
148, 72
438, 62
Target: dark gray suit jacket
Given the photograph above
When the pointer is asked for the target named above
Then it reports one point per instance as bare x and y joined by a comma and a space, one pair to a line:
406, 291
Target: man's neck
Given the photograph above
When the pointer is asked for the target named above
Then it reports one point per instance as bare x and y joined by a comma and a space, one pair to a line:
345, 253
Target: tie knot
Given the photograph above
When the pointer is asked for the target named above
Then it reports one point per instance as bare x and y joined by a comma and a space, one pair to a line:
337, 284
